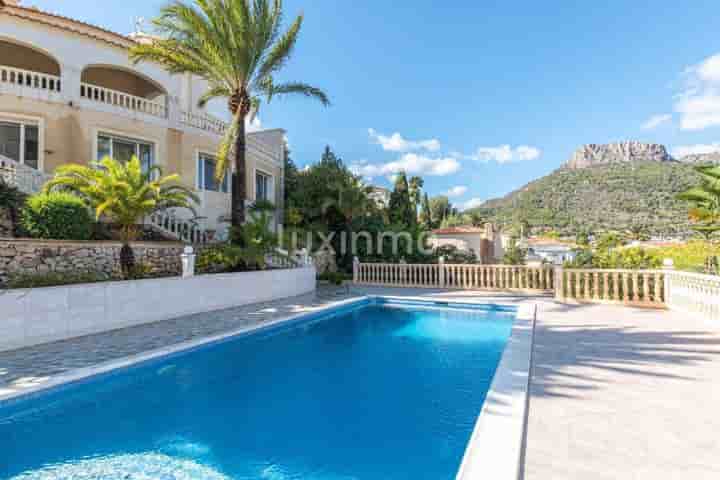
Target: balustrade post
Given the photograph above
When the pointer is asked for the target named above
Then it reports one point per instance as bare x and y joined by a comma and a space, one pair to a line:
441, 272
559, 283
668, 267
356, 269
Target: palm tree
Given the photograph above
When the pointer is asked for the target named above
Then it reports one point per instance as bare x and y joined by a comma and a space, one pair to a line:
237, 47
123, 194
705, 201
352, 202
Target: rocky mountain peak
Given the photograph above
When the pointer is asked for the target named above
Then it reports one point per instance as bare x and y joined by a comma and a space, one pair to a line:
620, 152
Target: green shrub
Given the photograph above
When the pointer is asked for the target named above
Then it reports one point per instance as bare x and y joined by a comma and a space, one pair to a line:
57, 215
690, 256
220, 258
53, 279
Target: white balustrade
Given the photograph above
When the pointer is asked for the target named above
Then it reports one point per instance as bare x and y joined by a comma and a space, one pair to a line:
29, 79
25, 178
465, 276
630, 287
204, 121
123, 100
178, 228
693, 293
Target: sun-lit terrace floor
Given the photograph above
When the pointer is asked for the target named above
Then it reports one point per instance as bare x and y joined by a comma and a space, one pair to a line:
616, 393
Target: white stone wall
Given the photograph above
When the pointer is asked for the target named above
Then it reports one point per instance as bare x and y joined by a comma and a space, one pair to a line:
40, 315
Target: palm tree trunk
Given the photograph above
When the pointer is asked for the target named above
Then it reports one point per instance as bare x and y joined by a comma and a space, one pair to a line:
127, 256
239, 190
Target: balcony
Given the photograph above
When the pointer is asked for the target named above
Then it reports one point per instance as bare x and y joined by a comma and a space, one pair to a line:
28, 72
123, 91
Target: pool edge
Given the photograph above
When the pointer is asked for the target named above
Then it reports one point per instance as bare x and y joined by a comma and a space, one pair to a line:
497, 444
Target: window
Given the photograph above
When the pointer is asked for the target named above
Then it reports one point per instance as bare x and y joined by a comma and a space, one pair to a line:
262, 186
123, 149
206, 175
20, 141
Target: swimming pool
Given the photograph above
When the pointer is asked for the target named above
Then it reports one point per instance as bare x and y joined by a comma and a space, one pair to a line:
377, 389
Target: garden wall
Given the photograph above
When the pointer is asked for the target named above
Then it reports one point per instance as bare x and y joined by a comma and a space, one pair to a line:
39, 315
31, 257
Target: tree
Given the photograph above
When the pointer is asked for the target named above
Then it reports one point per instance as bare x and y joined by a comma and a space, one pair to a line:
415, 185
124, 194
705, 201
238, 48
426, 213
290, 180
441, 208
401, 208
352, 203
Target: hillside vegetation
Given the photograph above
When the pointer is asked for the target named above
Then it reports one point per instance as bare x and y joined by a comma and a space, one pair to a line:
629, 196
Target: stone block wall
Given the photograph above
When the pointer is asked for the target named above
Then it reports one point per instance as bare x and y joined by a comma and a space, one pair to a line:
31, 257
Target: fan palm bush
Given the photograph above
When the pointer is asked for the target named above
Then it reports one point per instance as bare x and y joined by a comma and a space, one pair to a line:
705, 200
123, 194
238, 47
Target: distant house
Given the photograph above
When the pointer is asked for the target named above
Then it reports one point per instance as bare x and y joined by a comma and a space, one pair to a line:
485, 242
380, 195
548, 250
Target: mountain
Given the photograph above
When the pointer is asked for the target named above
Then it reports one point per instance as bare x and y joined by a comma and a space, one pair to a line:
701, 158
617, 186
593, 155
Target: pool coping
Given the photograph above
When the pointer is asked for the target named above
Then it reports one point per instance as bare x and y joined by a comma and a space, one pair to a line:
497, 442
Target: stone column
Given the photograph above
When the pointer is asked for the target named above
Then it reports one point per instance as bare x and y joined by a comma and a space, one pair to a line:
188, 262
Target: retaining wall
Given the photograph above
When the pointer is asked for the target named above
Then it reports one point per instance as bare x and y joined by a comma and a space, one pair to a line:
39, 315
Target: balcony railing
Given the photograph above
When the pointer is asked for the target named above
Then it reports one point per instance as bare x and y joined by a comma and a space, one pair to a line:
25, 178
123, 100
204, 122
29, 79
41, 82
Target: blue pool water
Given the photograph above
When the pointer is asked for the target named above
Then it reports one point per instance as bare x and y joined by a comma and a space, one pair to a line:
374, 392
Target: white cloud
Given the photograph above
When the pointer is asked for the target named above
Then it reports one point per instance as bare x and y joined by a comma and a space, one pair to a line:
411, 163
656, 120
699, 149
505, 154
472, 203
458, 191
396, 143
699, 102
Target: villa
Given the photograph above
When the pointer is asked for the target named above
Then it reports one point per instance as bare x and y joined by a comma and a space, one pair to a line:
203, 357
549, 250
69, 94
487, 243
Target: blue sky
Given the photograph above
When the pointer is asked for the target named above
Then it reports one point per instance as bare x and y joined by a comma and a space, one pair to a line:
481, 97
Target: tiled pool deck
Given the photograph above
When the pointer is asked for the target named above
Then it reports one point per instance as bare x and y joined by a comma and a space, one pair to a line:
616, 393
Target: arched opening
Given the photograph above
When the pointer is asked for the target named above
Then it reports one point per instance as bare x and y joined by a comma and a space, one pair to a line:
123, 88
122, 80
21, 57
